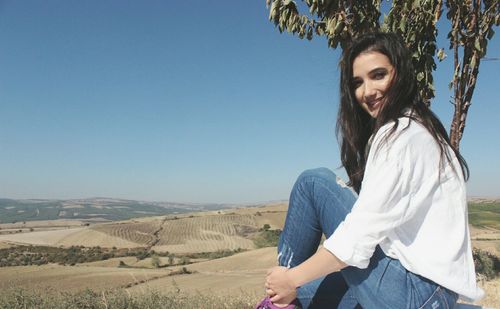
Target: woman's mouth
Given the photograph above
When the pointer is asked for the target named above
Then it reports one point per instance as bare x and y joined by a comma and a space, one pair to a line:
374, 104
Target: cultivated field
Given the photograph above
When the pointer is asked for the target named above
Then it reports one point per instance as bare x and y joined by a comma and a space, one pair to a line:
187, 233
139, 233
240, 274
81, 236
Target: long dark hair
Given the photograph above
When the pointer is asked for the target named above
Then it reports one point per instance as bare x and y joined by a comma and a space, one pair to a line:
355, 126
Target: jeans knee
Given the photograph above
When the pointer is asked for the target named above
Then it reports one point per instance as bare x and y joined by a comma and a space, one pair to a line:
322, 173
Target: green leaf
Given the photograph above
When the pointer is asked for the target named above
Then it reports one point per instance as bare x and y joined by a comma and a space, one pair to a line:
473, 63
338, 27
420, 76
441, 54
402, 24
477, 44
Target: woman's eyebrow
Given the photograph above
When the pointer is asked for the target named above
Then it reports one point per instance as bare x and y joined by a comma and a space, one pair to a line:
378, 70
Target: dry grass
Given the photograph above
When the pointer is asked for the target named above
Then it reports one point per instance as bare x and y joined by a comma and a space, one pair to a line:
492, 289
492, 294
114, 262
61, 223
42, 238
118, 299
75, 278
233, 275
4, 245
69, 237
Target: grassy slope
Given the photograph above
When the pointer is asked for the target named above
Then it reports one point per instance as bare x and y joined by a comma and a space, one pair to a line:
485, 214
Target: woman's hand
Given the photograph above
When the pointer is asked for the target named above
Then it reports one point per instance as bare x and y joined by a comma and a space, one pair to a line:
279, 287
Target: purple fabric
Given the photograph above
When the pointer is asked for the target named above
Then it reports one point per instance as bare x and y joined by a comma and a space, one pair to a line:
267, 304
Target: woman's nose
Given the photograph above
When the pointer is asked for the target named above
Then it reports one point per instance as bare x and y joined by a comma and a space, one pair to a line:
369, 91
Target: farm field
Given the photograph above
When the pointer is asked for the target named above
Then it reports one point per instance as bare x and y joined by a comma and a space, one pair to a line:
190, 233
241, 272
186, 233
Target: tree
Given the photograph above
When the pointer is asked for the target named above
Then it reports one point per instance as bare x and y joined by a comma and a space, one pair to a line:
155, 261
472, 24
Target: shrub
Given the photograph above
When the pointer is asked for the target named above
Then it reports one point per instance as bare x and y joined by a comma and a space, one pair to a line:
267, 238
486, 263
155, 261
185, 260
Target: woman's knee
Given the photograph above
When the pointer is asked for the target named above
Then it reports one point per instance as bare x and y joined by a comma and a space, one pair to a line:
321, 173
310, 181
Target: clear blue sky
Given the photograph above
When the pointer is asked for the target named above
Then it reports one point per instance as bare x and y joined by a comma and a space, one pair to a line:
188, 101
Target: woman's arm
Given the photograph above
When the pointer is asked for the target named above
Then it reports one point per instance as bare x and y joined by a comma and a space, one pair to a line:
281, 282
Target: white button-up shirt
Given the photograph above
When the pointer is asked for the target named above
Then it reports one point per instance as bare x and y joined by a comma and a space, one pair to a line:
413, 204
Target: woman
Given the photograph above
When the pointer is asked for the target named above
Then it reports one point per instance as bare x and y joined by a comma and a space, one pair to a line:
404, 241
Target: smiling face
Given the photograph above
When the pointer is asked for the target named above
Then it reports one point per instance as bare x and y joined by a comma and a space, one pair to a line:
372, 73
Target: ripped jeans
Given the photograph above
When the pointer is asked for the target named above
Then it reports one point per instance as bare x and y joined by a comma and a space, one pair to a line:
319, 202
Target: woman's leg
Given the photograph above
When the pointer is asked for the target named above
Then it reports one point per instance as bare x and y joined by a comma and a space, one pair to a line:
385, 283
319, 202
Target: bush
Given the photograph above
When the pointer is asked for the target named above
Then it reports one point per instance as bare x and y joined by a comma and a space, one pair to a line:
267, 238
185, 260
155, 261
486, 263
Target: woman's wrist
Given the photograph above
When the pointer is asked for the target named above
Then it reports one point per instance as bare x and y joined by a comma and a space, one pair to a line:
293, 276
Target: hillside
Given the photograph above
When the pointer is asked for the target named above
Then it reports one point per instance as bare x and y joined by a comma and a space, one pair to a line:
93, 209
192, 252
183, 233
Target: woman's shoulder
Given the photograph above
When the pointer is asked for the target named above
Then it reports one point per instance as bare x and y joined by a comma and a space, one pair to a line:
406, 138
405, 131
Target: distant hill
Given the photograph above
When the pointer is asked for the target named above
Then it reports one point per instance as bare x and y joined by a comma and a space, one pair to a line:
195, 232
93, 209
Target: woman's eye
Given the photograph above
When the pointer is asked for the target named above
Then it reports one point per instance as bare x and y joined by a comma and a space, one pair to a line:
356, 84
379, 75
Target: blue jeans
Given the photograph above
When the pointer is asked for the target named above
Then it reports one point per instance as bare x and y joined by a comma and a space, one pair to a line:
319, 202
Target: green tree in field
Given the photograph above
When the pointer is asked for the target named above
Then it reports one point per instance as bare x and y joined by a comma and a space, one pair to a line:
472, 23
155, 261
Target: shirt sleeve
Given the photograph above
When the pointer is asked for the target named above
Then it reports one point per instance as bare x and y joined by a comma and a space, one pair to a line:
381, 206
